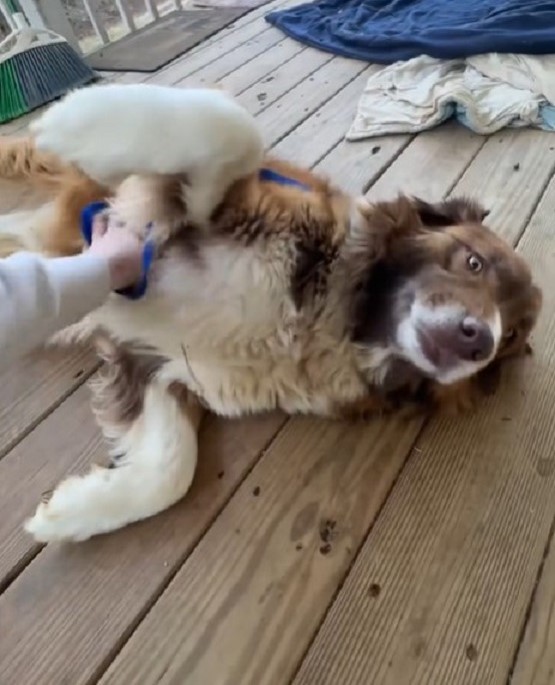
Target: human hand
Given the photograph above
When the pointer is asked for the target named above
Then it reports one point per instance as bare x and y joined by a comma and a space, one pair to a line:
122, 249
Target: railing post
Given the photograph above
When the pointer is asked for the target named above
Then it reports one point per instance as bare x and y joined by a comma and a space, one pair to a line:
96, 21
125, 14
151, 6
32, 14
55, 18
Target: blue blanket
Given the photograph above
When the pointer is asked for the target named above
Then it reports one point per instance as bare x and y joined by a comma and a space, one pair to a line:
385, 31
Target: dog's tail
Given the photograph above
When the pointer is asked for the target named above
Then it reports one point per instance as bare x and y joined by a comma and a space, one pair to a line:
52, 229
21, 161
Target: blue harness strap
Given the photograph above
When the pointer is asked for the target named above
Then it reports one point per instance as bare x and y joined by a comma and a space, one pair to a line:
271, 176
134, 292
137, 291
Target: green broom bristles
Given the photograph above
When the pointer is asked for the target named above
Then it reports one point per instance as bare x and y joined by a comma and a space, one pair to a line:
39, 74
12, 101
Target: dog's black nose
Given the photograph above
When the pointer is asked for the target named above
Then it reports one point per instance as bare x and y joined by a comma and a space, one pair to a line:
474, 341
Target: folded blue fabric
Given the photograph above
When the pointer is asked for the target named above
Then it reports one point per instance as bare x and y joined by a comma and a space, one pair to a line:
386, 31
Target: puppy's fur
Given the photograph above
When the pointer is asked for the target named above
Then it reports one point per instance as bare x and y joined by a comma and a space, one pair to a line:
303, 299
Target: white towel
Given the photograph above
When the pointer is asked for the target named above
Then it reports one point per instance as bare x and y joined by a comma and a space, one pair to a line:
486, 93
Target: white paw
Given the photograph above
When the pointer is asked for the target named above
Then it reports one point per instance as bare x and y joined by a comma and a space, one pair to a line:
77, 510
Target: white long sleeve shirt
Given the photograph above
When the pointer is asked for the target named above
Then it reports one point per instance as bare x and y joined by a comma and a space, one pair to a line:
39, 296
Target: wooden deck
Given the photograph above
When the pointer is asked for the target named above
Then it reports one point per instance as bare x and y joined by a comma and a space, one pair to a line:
308, 552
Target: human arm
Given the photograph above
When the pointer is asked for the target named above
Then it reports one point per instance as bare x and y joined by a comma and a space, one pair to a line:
39, 296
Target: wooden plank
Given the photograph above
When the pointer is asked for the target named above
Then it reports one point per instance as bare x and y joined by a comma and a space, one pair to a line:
238, 52
30, 469
117, 576
404, 158
252, 589
254, 599
450, 148
535, 663
441, 586
283, 77
321, 132
351, 161
34, 386
298, 103
510, 182
237, 70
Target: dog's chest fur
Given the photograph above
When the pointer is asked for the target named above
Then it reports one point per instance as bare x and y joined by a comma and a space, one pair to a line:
226, 321
252, 314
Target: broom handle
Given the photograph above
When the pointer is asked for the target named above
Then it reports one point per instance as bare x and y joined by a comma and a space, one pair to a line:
6, 11
14, 13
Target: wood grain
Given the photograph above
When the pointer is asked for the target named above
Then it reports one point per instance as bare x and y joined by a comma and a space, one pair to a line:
253, 589
301, 101
440, 589
84, 599
218, 629
535, 664
360, 164
301, 67
226, 64
66, 441
237, 70
32, 387
430, 164
320, 133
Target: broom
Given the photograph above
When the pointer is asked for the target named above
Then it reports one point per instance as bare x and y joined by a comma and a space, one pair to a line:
36, 67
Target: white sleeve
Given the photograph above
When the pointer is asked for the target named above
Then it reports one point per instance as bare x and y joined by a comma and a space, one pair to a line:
39, 296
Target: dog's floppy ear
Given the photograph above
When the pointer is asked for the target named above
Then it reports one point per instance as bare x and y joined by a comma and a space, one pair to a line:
455, 211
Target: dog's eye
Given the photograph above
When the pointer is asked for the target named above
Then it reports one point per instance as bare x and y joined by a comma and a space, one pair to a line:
510, 335
474, 263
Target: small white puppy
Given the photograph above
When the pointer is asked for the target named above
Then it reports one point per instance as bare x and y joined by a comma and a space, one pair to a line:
113, 131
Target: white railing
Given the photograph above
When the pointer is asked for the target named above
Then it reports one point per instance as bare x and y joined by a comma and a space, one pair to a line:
101, 30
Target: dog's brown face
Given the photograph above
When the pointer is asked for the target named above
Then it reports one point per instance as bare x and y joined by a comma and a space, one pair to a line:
448, 296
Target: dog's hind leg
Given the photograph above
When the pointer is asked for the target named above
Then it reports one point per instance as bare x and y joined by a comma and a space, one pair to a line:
155, 460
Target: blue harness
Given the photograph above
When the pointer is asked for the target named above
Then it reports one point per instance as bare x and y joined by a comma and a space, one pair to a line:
270, 176
137, 291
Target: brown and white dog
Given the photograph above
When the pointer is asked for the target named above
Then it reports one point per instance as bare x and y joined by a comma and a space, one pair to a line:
288, 294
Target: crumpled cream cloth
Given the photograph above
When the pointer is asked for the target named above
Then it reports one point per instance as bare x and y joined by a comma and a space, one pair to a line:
486, 93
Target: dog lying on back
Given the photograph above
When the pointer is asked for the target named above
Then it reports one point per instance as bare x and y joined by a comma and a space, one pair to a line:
271, 289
